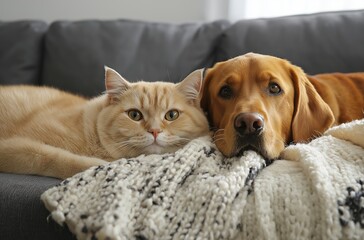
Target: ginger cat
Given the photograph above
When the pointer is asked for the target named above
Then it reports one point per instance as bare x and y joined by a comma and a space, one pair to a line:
49, 132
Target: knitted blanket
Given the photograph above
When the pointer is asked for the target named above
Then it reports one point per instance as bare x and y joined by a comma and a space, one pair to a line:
196, 193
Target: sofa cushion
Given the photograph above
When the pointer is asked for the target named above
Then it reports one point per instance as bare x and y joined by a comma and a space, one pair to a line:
323, 42
76, 52
23, 215
21, 51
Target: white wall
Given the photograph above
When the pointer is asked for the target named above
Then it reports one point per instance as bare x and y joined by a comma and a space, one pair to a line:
239, 9
175, 11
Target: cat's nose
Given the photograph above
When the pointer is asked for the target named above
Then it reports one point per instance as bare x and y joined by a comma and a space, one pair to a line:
154, 132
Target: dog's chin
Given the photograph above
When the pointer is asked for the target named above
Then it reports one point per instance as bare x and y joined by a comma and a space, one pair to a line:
249, 147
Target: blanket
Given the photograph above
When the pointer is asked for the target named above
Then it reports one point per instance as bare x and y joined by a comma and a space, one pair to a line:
316, 191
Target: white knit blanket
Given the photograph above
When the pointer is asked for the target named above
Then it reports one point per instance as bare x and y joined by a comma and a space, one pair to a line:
196, 193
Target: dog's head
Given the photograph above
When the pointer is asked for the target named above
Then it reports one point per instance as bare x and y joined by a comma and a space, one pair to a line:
259, 102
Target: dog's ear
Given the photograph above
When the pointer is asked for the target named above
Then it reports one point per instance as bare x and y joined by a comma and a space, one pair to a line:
312, 116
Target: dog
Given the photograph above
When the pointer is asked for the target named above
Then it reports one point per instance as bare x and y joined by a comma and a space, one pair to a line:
263, 103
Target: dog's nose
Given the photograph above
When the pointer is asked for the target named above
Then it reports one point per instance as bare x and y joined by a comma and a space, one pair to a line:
249, 123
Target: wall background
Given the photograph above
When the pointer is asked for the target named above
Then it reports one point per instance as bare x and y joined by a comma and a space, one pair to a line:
174, 11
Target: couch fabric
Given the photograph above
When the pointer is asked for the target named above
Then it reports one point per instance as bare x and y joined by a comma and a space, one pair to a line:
71, 55
75, 52
326, 42
21, 51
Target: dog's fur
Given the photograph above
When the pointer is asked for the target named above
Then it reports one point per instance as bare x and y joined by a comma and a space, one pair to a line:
240, 88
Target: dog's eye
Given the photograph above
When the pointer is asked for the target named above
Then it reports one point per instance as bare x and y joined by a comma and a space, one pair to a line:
274, 88
226, 92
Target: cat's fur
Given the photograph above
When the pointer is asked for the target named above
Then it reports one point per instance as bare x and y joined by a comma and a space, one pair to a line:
49, 132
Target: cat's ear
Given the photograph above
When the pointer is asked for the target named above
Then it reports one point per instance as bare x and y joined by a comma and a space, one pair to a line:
115, 84
191, 85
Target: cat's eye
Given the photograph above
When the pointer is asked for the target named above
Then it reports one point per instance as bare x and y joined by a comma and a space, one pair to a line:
172, 115
274, 88
226, 92
135, 115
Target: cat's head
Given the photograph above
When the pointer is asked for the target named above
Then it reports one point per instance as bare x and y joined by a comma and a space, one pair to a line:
150, 117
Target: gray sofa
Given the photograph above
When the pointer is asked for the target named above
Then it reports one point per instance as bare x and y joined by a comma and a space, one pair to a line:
71, 56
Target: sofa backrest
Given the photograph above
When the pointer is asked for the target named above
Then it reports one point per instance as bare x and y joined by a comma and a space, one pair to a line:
21, 50
323, 42
76, 52
71, 55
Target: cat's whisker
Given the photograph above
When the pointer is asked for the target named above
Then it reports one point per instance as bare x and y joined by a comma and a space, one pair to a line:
182, 139
179, 139
136, 138
180, 143
124, 146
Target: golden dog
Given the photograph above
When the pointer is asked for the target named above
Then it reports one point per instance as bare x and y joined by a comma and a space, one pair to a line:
262, 103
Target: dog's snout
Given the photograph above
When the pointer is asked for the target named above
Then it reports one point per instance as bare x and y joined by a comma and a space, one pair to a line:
249, 123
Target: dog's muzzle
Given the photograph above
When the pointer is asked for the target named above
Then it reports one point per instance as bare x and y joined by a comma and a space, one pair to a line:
249, 124
249, 128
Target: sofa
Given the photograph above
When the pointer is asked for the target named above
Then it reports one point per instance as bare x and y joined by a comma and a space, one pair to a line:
71, 55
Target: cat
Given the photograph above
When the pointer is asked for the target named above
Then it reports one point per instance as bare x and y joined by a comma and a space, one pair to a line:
48, 132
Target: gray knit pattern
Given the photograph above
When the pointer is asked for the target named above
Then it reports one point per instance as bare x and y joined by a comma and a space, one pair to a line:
194, 193
316, 191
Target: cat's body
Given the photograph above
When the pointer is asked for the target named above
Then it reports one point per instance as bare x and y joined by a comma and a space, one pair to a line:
49, 132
